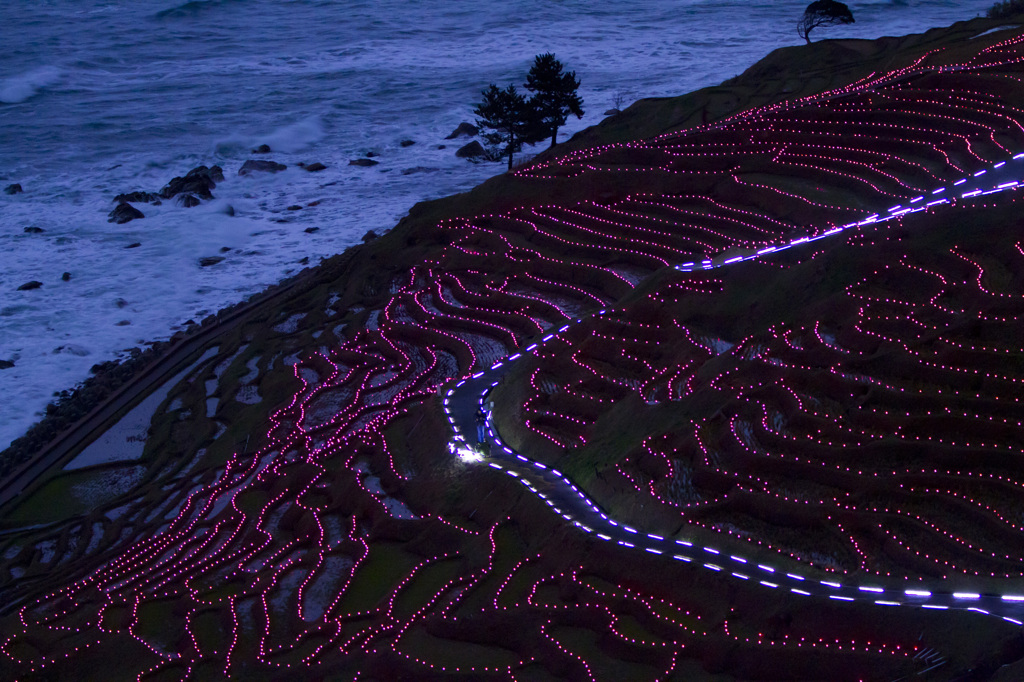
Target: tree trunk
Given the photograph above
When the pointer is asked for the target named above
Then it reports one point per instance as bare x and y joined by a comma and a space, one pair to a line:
554, 134
511, 146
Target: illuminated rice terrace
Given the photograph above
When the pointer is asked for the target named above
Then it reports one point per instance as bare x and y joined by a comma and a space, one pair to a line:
768, 343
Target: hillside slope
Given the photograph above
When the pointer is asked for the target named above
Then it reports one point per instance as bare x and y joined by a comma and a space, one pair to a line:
339, 538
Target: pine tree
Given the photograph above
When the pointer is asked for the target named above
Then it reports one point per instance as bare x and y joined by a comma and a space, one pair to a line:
556, 95
512, 120
822, 13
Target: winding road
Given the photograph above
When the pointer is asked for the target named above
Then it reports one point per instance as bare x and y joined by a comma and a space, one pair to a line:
567, 500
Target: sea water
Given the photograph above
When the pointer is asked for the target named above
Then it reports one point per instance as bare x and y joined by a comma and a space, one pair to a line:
100, 97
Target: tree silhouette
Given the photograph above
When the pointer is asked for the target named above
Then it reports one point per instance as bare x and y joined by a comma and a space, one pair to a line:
822, 13
510, 118
556, 95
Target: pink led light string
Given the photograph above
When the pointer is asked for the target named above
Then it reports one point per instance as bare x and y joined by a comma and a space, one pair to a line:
445, 313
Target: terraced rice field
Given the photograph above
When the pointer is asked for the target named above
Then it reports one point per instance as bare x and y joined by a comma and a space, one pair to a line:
850, 407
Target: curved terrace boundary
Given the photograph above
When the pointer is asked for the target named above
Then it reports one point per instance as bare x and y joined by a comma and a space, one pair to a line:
566, 499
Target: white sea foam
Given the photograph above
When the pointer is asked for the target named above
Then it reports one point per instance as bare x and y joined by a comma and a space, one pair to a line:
117, 110
19, 88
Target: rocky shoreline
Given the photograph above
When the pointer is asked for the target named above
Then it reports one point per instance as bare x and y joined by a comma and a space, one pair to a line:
645, 118
197, 185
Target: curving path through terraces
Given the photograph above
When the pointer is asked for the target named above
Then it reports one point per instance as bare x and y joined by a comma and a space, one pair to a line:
281, 549
567, 500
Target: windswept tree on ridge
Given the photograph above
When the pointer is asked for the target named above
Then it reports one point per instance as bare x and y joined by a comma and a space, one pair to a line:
822, 13
556, 95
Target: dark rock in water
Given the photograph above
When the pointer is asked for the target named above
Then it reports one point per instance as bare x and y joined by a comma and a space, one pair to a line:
261, 165
134, 245
314, 203
407, 143
442, 146
66, 277
315, 166
363, 162
210, 260
199, 181
29, 286
138, 198
304, 260
6, 364
311, 230
215, 173
419, 169
473, 150
612, 112
229, 211
370, 155
464, 129
13, 189
122, 323
123, 213
294, 207
370, 236
225, 249
262, 149
120, 302
32, 229
187, 200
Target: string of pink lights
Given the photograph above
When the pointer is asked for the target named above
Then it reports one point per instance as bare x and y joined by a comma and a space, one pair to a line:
275, 550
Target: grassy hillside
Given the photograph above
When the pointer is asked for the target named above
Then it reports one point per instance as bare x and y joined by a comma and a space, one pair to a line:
295, 510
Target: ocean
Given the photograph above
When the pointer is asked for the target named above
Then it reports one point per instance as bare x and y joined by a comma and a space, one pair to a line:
100, 97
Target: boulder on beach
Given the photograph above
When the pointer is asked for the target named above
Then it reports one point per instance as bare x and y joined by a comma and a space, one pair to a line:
369, 236
262, 149
199, 181
315, 166
188, 200
13, 189
262, 166
473, 150
138, 197
464, 129
210, 260
363, 162
33, 229
29, 286
124, 212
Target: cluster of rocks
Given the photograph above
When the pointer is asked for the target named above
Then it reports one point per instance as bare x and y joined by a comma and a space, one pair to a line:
197, 185
187, 191
473, 150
